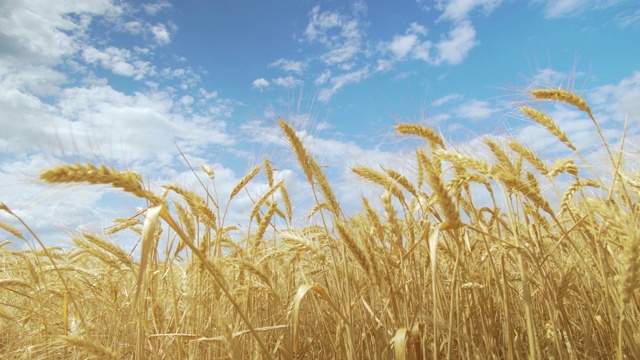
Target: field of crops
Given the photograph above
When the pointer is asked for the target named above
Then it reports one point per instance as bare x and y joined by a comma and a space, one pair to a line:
424, 270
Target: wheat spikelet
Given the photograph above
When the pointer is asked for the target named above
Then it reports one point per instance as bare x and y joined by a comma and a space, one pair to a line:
209, 171
447, 205
287, 203
262, 227
380, 179
13, 231
353, 247
327, 192
373, 219
392, 220
420, 168
564, 166
96, 252
500, 155
90, 347
15, 282
264, 198
517, 185
244, 181
548, 123
306, 162
199, 207
316, 208
533, 182
310, 168
464, 161
255, 270
422, 131
402, 180
122, 224
454, 186
530, 156
630, 261
114, 250
564, 96
571, 190
128, 181
268, 171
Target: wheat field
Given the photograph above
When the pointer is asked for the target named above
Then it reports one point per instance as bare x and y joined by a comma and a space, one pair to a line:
425, 270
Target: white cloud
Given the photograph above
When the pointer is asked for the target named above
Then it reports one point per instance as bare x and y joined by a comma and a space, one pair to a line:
415, 28
186, 100
619, 100
260, 83
289, 65
154, 9
119, 61
474, 109
422, 51
445, 99
41, 31
340, 34
569, 8
454, 48
339, 81
559, 8
626, 18
402, 45
322, 78
458, 10
288, 82
161, 34
549, 78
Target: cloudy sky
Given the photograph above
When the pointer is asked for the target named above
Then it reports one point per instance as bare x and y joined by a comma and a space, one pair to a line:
127, 83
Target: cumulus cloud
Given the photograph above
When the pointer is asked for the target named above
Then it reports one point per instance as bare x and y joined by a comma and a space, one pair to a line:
154, 8
340, 34
161, 34
415, 28
568, 8
458, 10
289, 65
288, 82
119, 61
474, 109
445, 99
322, 78
42, 31
260, 83
628, 18
57, 108
454, 48
402, 45
339, 81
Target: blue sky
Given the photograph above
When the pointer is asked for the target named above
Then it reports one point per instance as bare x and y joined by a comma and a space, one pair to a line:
124, 82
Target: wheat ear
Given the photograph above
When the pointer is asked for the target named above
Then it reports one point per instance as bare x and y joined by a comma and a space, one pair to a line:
548, 123
564, 96
422, 131
128, 181
310, 168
